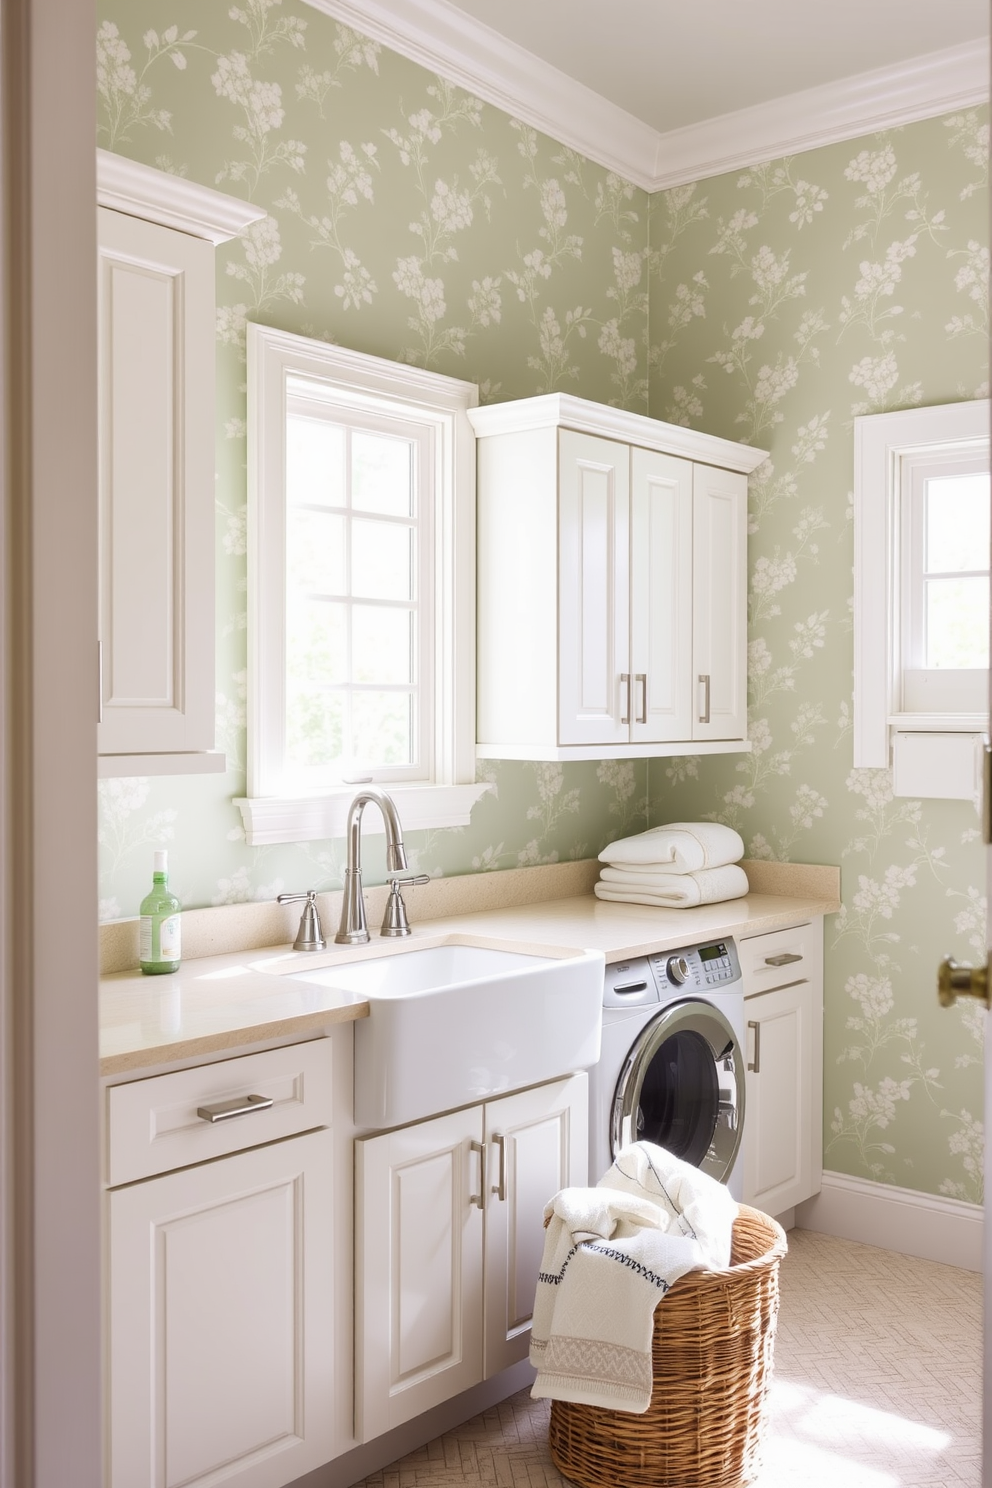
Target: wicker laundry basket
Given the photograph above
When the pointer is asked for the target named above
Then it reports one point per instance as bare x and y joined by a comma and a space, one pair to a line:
712, 1355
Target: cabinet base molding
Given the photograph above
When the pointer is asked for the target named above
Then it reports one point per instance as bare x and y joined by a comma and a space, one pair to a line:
565, 752
900, 1219
353, 1466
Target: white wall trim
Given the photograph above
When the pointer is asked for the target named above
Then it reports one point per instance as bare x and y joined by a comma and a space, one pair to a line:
466, 52
269, 819
882, 99
141, 191
444, 39
900, 1219
554, 410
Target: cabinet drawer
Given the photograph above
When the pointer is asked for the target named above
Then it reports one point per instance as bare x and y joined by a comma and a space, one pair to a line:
153, 1125
780, 957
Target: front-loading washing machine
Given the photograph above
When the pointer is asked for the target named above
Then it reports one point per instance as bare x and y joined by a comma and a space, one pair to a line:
671, 1069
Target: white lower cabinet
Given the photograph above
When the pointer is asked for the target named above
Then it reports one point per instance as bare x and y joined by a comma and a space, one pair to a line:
222, 1366
783, 1008
449, 1236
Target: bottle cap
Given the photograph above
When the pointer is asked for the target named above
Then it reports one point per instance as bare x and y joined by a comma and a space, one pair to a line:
160, 863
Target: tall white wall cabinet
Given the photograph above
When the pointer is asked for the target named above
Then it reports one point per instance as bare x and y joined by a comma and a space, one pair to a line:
783, 1007
156, 305
612, 584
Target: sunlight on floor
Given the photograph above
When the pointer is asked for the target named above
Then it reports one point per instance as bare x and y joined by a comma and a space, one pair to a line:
821, 1438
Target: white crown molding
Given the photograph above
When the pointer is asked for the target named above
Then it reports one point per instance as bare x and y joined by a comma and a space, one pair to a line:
127, 186
884, 99
551, 410
444, 39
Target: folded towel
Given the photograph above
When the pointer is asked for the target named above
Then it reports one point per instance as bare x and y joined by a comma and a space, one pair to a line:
682, 847
675, 890
610, 1254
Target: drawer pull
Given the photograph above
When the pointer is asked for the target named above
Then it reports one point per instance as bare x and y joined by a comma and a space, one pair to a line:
785, 959
755, 1068
239, 1106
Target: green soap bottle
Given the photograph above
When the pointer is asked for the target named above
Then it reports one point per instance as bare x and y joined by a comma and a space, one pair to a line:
159, 929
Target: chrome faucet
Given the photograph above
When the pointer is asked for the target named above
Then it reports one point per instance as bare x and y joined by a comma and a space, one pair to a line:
354, 928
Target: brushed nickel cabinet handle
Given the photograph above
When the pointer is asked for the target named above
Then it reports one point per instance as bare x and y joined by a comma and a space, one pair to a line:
499, 1187
241, 1105
704, 716
785, 959
641, 677
755, 1068
625, 682
479, 1199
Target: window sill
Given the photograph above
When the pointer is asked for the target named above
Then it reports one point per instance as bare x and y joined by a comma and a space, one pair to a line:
273, 819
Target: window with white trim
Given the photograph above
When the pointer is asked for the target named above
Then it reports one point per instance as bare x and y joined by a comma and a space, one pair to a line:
361, 594
921, 603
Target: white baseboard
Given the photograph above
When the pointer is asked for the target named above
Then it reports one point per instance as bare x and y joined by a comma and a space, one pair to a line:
900, 1219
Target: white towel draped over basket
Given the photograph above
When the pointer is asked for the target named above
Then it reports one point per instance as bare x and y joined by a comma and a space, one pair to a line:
610, 1254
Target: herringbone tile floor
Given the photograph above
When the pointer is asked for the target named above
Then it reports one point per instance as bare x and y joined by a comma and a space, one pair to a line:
877, 1385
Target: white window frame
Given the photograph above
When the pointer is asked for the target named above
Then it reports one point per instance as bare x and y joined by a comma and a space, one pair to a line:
440, 404
885, 446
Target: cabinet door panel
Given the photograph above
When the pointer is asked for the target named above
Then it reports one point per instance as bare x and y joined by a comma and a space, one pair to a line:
660, 596
221, 1323
544, 1135
156, 380
778, 1169
418, 1268
594, 618
719, 547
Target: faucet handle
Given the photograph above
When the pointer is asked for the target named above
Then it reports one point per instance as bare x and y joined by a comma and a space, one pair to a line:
310, 936
394, 921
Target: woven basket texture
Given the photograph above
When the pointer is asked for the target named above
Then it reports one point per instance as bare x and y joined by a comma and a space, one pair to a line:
714, 1336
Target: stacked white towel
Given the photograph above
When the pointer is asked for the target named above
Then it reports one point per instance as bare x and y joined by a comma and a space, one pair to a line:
610, 1254
675, 866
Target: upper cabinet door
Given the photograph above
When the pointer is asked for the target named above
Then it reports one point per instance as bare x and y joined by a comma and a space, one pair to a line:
594, 685
660, 596
156, 402
719, 604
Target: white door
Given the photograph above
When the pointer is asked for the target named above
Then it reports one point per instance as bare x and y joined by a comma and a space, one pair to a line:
156, 458
660, 596
538, 1143
221, 1321
594, 681
778, 1169
719, 564
419, 1201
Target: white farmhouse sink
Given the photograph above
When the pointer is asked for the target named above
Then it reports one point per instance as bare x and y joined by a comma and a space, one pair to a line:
453, 1024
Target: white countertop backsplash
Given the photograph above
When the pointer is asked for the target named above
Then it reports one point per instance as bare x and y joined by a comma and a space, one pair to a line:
231, 990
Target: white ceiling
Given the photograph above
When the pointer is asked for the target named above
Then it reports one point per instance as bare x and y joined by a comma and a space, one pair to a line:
664, 91
675, 62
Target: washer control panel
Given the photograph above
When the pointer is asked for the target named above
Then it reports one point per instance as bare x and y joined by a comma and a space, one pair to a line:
708, 966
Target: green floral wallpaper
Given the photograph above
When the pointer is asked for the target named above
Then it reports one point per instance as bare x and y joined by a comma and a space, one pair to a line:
785, 300
407, 219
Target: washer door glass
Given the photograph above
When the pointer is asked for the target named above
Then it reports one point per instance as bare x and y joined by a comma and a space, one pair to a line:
682, 1088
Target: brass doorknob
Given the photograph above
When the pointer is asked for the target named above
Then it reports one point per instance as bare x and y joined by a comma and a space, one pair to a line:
955, 980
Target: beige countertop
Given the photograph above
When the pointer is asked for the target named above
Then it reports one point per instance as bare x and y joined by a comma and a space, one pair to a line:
218, 1003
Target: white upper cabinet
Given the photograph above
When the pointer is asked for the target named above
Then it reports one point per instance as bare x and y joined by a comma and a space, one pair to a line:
612, 584
156, 309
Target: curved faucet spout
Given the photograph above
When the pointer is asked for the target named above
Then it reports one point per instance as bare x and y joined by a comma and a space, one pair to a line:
354, 928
